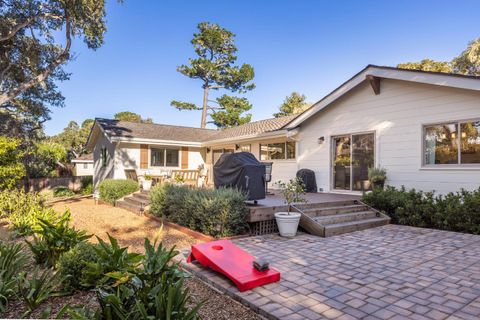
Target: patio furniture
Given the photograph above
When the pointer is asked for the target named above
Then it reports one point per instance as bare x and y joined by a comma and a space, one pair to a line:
238, 265
189, 177
131, 174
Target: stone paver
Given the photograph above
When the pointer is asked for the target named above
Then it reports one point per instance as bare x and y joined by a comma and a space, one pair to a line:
390, 272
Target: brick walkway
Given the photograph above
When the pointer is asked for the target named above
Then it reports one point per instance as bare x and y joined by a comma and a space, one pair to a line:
391, 272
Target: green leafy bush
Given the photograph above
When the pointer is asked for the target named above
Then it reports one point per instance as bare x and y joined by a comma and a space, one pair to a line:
87, 185
37, 288
459, 211
53, 239
154, 290
216, 212
62, 191
12, 260
72, 263
110, 258
29, 222
11, 166
113, 189
18, 202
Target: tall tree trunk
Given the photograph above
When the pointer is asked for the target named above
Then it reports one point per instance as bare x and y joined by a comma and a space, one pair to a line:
205, 109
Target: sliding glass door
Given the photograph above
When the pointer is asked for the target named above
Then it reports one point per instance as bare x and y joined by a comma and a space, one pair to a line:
352, 155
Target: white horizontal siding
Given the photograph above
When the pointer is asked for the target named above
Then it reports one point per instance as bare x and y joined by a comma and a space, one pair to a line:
396, 115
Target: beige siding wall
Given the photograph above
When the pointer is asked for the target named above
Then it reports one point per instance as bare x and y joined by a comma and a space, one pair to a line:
396, 116
81, 171
101, 172
282, 169
127, 156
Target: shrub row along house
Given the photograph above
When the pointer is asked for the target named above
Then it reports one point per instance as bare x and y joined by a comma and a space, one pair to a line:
423, 127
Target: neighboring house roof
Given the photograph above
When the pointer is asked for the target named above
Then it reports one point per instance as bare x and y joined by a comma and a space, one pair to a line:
252, 128
84, 158
371, 72
152, 131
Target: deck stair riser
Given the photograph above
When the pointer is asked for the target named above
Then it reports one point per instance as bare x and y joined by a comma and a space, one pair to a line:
306, 206
334, 218
327, 211
346, 217
135, 202
347, 227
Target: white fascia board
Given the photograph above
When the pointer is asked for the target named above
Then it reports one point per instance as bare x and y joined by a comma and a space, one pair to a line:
81, 161
427, 78
265, 135
157, 142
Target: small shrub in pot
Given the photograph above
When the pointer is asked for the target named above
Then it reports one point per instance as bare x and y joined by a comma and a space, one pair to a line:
292, 191
377, 177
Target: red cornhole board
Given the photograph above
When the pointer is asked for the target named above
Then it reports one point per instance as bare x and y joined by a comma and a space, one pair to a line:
224, 257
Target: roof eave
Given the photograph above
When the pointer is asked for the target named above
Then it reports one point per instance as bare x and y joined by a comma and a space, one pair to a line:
157, 142
257, 136
445, 80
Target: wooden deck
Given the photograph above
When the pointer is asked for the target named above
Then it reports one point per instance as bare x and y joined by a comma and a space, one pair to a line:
265, 209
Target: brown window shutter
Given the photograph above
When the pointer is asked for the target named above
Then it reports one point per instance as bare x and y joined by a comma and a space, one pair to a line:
184, 157
144, 156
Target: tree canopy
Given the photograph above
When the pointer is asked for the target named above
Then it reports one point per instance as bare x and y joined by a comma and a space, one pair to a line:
35, 43
231, 110
132, 117
215, 67
74, 137
293, 104
467, 63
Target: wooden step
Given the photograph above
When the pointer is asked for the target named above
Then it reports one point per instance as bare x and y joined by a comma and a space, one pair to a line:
141, 195
137, 201
345, 217
313, 205
129, 206
351, 226
328, 211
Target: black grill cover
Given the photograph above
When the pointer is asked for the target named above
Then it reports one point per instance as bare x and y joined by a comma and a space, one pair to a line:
242, 171
308, 178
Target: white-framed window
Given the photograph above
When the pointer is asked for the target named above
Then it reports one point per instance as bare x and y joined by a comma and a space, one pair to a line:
164, 157
85, 166
245, 147
277, 151
452, 143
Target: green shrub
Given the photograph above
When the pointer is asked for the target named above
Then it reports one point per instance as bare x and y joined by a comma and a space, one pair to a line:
216, 212
113, 189
62, 191
29, 222
53, 239
110, 258
87, 185
18, 202
12, 260
154, 290
11, 166
72, 263
458, 211
38, 288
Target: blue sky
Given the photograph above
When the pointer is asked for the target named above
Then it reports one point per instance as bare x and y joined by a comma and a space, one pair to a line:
296, 45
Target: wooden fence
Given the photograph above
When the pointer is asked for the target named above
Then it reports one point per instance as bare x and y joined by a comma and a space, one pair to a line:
40, 184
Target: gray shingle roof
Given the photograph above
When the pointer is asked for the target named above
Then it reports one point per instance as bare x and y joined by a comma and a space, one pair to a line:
126, 129
257, 127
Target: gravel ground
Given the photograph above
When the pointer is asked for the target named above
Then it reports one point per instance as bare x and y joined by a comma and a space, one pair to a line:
131, 229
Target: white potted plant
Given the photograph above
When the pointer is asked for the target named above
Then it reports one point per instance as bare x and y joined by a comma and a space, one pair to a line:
147, 182
292, 192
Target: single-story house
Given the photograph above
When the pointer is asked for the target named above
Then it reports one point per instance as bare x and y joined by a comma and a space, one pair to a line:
422, 127
83, 165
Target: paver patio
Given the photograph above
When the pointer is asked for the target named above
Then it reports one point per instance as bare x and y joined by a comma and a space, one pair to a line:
390, 272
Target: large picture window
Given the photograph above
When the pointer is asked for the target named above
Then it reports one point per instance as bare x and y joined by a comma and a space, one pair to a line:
161, 157
452, 143
277, 151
